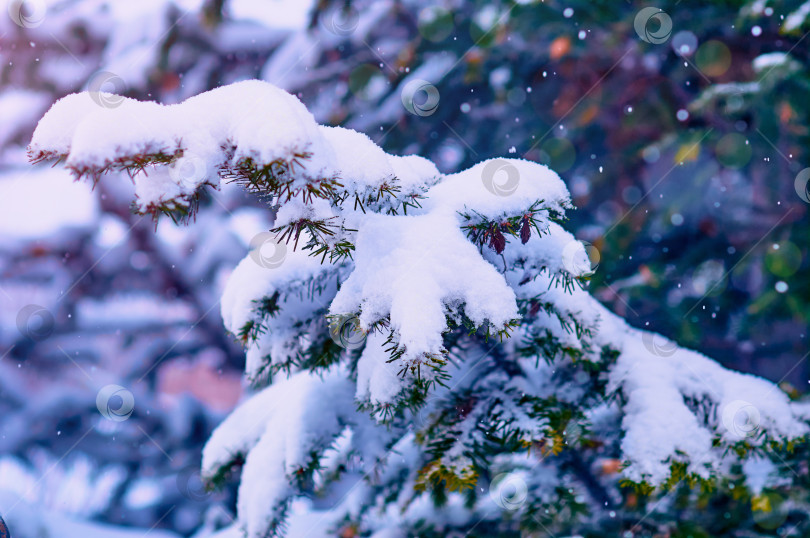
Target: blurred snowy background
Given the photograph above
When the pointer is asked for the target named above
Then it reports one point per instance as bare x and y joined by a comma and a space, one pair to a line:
684, 154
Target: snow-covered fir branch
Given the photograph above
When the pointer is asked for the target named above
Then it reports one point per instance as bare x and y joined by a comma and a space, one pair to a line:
423, 348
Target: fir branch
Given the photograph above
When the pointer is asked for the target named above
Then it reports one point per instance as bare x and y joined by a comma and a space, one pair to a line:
279, 179
482, 231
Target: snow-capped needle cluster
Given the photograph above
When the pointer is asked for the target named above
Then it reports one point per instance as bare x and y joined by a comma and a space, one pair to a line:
475, 349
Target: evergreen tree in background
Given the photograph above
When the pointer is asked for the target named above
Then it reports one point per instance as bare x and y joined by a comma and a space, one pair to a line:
424, 353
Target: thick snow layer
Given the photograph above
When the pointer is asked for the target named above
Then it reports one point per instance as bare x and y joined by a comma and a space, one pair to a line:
413, 172
55, 130
254, 278
303, 308
377, 381
657, 378
413, 269
498, 187
256, 120
277, 430
246, 115
362, 163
